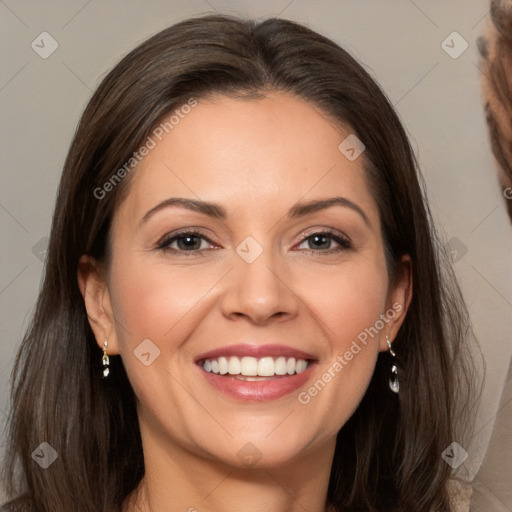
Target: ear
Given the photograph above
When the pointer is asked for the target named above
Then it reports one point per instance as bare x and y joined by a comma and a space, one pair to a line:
398, 301
94, 289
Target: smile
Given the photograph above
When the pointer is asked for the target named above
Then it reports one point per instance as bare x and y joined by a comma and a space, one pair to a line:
278, 371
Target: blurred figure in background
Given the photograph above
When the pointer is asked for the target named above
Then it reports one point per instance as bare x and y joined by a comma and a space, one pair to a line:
492, 486
496, 50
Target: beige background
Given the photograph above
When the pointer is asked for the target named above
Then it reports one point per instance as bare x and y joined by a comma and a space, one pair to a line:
436, 96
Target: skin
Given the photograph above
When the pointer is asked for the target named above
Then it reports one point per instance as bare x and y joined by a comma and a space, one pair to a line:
256, 158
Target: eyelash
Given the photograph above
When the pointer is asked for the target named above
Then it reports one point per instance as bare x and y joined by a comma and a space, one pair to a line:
343, 242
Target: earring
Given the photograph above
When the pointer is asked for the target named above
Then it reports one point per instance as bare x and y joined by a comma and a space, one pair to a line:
394, 385
105, 360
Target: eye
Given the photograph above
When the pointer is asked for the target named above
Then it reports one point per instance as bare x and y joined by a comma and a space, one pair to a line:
195, 242
321, 241
185, 242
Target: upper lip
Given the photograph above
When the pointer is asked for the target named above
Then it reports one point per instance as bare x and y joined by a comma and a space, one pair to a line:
258, 351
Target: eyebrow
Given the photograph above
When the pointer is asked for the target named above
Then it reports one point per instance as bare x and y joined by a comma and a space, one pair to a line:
218, 212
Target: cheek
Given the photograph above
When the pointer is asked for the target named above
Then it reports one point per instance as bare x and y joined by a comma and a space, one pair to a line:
350, 308
350, 301
151, 300
164, 304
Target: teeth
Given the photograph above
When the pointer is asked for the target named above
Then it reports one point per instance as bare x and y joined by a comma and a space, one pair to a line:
266, 367
248, 366
223, 365
280, 366
234, 365
300, 366
253, 367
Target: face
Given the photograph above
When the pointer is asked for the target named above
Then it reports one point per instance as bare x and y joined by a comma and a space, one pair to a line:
247, 285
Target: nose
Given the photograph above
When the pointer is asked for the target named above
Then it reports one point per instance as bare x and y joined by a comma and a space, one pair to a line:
260, 291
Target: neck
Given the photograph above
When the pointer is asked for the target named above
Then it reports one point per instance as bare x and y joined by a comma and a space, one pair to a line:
178, 479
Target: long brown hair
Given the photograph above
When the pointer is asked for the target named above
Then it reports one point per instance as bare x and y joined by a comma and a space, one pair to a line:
388, 455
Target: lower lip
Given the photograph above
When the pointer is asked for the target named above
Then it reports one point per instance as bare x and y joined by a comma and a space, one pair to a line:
258, 391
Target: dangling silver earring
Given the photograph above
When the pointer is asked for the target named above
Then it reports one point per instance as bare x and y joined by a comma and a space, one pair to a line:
105, 360
394, 385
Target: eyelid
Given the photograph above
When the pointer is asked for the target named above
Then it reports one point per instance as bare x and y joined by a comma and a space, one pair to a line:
325, 230
165, 241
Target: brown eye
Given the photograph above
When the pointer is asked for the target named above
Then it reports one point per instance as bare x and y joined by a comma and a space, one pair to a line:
322, 242
187, 241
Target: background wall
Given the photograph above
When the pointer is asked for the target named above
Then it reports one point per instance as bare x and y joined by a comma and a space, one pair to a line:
54, 53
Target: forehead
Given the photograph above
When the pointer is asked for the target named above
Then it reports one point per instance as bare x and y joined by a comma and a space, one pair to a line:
250, 153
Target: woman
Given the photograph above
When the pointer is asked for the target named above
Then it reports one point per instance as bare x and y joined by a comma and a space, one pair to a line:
306, 354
